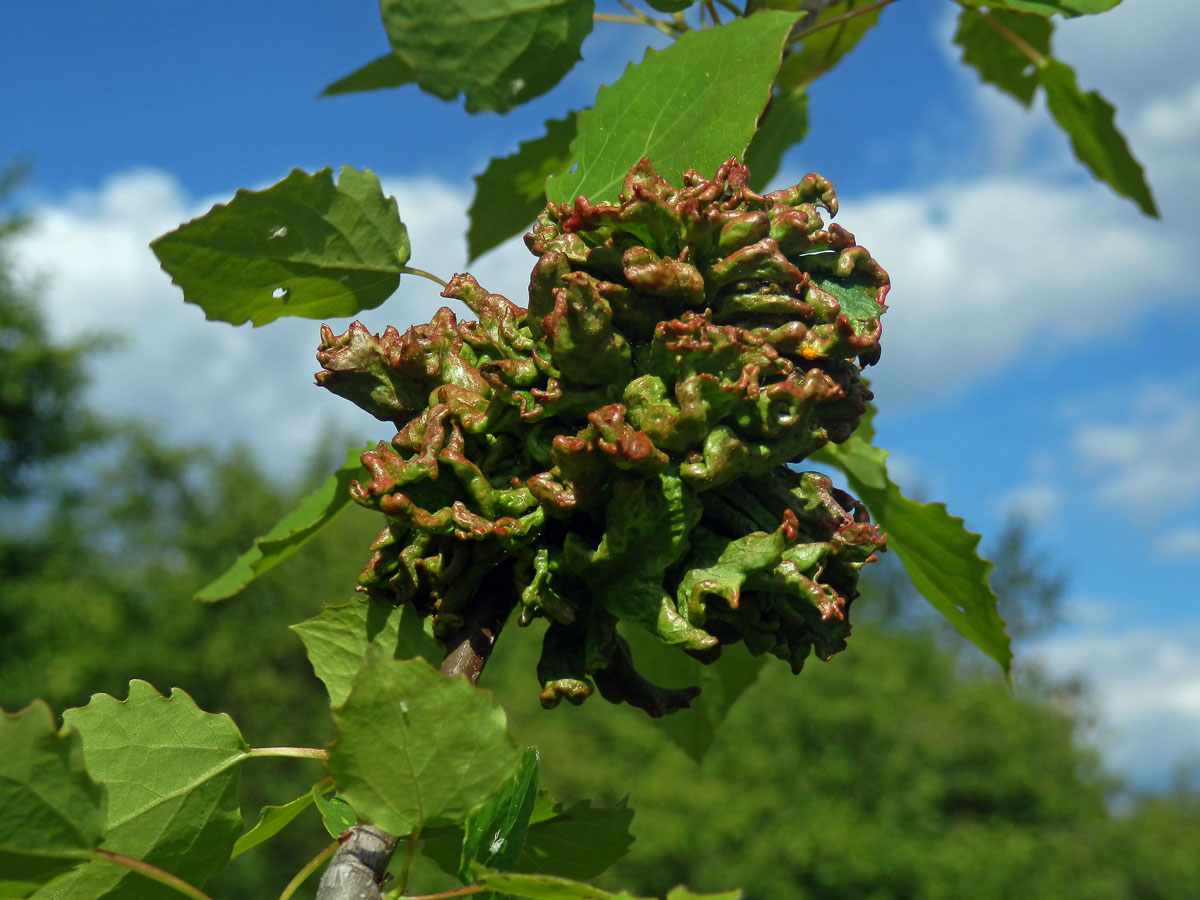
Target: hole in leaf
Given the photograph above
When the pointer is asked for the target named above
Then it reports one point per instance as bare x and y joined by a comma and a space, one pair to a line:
280, 232
280, 293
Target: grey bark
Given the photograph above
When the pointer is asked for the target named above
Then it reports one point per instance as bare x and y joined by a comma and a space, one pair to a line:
357, 870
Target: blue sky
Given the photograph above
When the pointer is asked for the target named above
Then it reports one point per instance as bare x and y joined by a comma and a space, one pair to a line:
1038, 356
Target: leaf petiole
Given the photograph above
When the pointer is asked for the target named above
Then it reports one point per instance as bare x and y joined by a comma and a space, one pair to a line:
154, 873
444, 895
844, 17
410, 270
292, 752
1011, 36
309, 867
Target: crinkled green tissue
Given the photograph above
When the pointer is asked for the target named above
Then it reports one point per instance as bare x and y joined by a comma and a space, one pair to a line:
624, 447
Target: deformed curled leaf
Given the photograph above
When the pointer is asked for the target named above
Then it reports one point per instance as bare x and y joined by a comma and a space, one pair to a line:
306, 246
619, 449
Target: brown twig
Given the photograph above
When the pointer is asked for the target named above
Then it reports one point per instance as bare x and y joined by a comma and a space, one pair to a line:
472, 644
838, 20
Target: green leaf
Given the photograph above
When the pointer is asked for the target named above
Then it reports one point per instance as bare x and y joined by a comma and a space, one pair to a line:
939, 554
1088, 121
495, 833
542, 887
416, 747
580, 841
823, 49
996, 58
270, 822
498, 54
51, 811
692, 105
1066, 8
303, 247
783, 125
290, 533
511, 191
171, 772
338, 637
386, 71
721, 683
547, 887
336, 814
669, 6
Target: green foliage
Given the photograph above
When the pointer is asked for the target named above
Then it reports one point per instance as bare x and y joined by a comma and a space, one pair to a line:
659, 495
338, 637
496, 54
289, 534
51, 812
271, 821
1088, 121
336, 814
578, 841
304, 247
826, 38
385, 71
42, 417
939, 554
700, 97
510, 192
997, 59
417, 748
1011, 49
494, 834
783, 125
170, 773
1066, 8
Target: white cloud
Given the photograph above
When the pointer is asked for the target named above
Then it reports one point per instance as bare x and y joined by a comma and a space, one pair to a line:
1146, 682
1146, 460
1182, 543
1135, 52
208, 380
1036, 502
990, 271
1031, 258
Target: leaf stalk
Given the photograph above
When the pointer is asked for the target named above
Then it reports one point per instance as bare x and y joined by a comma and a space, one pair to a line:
844, 17
154, 873
1035, 56
292, 752
411, 270
309, 867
